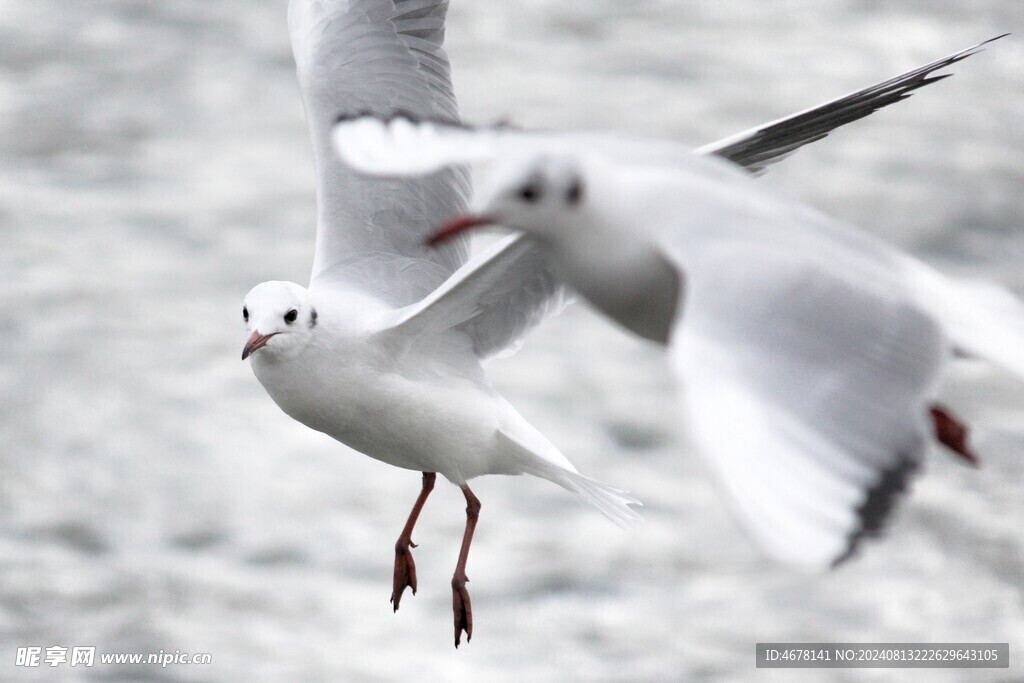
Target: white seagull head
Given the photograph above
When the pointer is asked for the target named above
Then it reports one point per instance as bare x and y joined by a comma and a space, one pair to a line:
280, 319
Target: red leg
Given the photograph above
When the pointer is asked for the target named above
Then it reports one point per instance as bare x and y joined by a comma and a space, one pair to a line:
460, 596
405, 568
951, 432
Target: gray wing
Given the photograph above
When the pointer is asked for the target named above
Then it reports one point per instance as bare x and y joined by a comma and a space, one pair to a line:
772, 142
806, 390
495, 299
377, 56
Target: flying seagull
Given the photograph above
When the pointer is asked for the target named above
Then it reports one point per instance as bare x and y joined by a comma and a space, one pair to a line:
809, 352
382, 351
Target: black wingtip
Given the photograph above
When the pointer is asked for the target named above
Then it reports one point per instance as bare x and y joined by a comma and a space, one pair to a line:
878, 505
974, 49
773, 141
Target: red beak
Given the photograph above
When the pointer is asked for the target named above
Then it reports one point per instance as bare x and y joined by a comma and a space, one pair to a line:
457, 225
256, 342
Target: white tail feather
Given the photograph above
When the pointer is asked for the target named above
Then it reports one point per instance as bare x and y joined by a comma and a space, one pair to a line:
613, 503
982, 319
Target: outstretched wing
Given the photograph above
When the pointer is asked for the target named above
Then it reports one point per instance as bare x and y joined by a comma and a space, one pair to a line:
806, 390
771, 142
401, 145
377, 56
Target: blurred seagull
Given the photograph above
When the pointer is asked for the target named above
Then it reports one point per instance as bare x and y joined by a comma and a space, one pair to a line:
809, 352
383, 350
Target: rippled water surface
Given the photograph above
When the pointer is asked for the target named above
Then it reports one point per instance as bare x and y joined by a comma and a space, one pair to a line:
154, 166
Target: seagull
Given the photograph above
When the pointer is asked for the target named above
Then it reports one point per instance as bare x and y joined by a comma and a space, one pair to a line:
383, 350
808, 353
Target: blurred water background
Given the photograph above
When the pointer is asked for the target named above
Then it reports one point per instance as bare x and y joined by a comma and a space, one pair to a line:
154, 165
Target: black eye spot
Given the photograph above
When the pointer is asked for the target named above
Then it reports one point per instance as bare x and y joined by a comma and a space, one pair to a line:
530, 193
312, 317
245, 314
574, 195
290, 316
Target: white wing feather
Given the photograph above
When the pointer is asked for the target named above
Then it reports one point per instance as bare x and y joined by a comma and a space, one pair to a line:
495, 299
397, 146
983, 320
380, 56
377, 56
806, 393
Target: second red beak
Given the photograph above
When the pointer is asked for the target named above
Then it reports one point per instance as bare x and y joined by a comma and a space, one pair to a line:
458, 225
